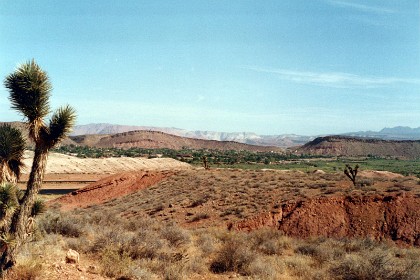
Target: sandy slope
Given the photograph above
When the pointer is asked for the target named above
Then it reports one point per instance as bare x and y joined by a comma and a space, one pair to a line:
59, 163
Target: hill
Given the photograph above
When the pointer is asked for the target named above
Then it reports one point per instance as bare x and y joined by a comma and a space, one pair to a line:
284, 140
351, 146
148, 139
155, 139
248, 200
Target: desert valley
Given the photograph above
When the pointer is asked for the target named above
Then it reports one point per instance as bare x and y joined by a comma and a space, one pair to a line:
158, 215
210, 140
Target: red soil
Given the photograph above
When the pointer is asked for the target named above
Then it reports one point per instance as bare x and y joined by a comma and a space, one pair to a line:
109, 188
394, 217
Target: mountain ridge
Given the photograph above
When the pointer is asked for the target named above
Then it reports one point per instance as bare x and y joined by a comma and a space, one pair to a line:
339, 145
157, 139
251, 138
92, 133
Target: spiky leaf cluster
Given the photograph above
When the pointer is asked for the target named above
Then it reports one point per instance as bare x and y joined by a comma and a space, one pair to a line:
12, 148
9, 198
60, 125
29, 91
39, 207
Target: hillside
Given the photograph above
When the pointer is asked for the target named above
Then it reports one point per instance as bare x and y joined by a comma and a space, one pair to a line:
319, 204
350, 146
284, 140
155, 139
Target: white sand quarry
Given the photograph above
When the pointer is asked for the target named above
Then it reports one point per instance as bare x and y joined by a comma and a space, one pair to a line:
60, 163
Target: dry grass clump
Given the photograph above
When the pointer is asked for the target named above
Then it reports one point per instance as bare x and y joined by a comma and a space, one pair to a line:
375, 264
143, 248
233, 256
62, 223
27, 269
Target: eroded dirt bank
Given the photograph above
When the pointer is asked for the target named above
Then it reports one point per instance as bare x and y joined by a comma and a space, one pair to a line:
395, 217
109, 188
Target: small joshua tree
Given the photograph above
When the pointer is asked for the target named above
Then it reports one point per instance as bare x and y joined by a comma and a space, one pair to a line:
205, 162
351, 173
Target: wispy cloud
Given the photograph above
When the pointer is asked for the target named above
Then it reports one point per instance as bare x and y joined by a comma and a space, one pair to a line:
361, 7
335, 79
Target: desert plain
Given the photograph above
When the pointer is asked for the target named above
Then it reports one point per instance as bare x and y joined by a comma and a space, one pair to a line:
138, 218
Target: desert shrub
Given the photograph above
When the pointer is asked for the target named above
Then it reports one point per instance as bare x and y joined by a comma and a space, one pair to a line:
60, 223
262, 269
112, 237
392, 189
330, 249
234, 256
365, 182
102, 218
29, 269
79, 244
200, 216
307, 250
357, 245
376, 264
269, 241
199, 201
173, 272
318, 253
300, 266
145, 245
206, 242
196, 264
115, 264
156, 209
143, 223
142, 273
175, 235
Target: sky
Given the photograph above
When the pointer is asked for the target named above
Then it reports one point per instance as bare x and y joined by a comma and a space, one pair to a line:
306, 67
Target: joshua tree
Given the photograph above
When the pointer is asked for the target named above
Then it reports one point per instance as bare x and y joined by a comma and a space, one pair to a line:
351, 173
12, 147
205, 162
29, 91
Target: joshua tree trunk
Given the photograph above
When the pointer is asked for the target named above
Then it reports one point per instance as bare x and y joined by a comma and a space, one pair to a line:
21, 217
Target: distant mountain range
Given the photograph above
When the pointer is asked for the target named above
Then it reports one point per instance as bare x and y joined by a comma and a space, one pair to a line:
283, 140
393, 133
97, 131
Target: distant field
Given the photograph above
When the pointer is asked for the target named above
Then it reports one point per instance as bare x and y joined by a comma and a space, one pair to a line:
255, 160
404, 167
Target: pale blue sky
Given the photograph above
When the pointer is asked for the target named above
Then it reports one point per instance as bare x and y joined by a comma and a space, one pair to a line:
271, 67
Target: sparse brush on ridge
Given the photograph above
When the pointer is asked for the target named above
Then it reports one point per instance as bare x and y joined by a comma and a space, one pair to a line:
29, 92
